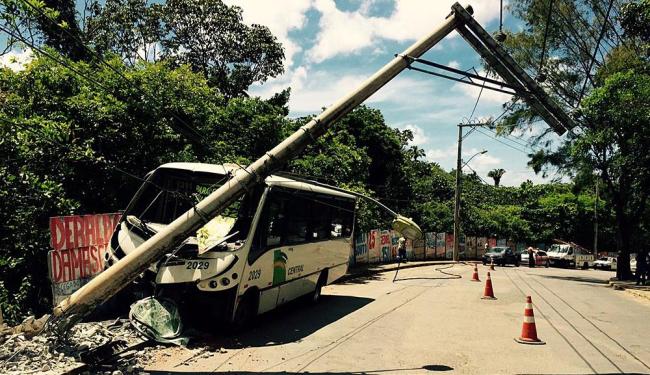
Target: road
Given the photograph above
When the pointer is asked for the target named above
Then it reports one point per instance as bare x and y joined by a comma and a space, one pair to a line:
432, 321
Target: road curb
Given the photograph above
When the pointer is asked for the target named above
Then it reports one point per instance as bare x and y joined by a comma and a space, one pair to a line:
365, 272
627, 285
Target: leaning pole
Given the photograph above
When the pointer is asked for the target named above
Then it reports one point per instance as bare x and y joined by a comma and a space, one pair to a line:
120, 274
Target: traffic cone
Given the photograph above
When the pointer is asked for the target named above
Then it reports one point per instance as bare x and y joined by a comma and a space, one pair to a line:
488, 293
528, 330
475, 274
491, 264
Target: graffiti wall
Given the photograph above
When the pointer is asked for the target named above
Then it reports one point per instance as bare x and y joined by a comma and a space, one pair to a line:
380, 246
78, 246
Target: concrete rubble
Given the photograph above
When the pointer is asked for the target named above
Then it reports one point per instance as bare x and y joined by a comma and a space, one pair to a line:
24, 349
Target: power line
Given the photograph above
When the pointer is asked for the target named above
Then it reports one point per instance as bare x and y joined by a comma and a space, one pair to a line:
593, 56
548, 23
503, 143
52, 57
509, 138
476, 173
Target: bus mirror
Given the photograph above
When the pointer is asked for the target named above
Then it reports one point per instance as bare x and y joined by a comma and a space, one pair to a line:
407, 227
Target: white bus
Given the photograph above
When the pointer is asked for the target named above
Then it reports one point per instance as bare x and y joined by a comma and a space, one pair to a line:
282, 240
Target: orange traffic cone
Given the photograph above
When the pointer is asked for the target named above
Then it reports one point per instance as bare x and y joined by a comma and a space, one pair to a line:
528, 330
491, 264
488, 293
475, 274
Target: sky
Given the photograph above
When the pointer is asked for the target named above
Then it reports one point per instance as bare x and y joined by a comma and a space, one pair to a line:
332, 46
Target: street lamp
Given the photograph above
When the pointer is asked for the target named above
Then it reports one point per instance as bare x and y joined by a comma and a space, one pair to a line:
476, 154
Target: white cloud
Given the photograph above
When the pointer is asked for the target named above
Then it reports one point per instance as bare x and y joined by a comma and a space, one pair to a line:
16, 61
419, 138
313, 89
453, 64
441, 155
279, 18
343, 32
488, 96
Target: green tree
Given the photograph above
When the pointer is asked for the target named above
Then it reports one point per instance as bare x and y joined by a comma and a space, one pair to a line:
207, 35
613, 117
496, 175
74, 147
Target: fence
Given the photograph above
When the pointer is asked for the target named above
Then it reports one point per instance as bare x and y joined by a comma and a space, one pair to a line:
380, 246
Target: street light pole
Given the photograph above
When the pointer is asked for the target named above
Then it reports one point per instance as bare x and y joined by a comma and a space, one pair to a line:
459, 168
457, 195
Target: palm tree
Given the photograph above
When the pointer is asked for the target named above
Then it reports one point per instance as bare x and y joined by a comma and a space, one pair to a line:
496, 174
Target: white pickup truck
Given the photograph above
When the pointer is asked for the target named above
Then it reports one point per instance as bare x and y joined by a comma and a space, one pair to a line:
569, 255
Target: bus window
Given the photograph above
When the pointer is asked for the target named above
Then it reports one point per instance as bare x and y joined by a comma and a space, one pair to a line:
298, 217
341, 219
292, 217
320, 221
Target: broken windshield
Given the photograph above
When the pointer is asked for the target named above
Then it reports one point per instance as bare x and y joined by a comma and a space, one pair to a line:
169, 193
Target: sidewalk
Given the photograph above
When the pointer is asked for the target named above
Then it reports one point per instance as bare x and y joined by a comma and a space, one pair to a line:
365, 270
620, 285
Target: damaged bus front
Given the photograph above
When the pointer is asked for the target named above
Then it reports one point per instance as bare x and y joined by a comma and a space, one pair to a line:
282, 240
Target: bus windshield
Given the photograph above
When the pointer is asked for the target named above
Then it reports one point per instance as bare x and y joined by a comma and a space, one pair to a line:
170, 192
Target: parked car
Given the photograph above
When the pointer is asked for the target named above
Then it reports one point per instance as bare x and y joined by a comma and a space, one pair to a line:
501, 255
541, 258
605, 263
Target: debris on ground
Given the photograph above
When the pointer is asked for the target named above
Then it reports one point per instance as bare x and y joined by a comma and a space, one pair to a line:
27, 349
158, 319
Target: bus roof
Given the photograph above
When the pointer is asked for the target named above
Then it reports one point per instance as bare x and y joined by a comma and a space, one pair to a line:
272, 180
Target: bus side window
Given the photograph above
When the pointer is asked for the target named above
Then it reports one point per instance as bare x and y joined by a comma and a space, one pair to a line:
320, 220
341, 219
298, 217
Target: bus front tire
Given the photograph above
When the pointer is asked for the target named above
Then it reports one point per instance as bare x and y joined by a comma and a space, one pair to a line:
245, 313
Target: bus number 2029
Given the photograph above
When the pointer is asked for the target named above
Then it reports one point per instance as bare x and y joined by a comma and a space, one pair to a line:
197, 265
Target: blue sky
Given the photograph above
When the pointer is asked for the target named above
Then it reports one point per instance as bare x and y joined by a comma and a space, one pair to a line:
332, 46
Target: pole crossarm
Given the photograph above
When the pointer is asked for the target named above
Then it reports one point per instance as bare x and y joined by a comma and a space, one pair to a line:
467, 74
462, 80
511, 72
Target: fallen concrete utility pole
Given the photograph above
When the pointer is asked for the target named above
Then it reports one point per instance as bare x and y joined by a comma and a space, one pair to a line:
128, 268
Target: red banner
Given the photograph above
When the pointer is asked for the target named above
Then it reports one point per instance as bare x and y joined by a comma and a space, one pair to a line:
79, 244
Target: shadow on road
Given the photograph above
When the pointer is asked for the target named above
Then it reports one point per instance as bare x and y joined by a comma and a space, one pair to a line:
362, 279
289, 323
432, 368
581, 279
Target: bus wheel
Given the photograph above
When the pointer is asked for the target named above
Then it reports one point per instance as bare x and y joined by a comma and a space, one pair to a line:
316, 294
245, 313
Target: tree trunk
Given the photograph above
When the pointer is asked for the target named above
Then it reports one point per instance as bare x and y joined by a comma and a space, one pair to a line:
623, 243
67, 41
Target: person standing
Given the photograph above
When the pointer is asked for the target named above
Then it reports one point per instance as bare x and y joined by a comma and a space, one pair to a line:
641, 267
531, 257
401, 249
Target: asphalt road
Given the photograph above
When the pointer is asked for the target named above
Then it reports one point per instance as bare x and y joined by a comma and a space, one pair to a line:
431, 321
